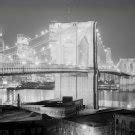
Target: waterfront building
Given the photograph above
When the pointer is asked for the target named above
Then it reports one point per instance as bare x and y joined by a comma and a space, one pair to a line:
127, 65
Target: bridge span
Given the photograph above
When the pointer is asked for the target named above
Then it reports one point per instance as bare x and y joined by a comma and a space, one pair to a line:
7, 69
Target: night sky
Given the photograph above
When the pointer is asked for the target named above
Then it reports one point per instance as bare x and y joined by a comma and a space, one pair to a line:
116, 20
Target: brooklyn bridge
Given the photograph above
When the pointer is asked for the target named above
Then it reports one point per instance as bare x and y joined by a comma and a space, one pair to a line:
65, 72
73, 55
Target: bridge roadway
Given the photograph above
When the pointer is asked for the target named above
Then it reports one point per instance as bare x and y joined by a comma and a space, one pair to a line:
19, 69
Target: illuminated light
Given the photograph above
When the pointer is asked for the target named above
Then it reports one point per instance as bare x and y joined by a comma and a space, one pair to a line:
10, 58
4, 82
129, 106
100, 38
21, 39
0, 34
7, 47
97, 30
118, 70
36, 36
98, 34
43, 49
34, 52
84, 127
101, 41
24, 62
50, 46
46, 31
36, 62
42, 32
49, 63
23, 55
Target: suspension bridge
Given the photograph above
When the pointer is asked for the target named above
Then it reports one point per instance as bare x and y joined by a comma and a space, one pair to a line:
66, 48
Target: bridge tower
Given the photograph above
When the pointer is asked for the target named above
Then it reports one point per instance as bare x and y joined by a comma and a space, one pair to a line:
74, 45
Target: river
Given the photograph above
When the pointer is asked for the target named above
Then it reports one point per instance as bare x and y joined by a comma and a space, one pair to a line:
26, 95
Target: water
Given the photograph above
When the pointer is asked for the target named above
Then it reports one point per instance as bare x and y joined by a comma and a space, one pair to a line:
65, 85
30, 95
3, 96
26, 95
122, 99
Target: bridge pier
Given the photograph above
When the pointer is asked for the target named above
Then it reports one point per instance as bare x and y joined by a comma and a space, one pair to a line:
79, 86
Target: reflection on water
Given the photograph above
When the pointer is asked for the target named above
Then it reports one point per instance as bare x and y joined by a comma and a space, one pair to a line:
123, 99
29, 95
26, 95
75, 85
3, 96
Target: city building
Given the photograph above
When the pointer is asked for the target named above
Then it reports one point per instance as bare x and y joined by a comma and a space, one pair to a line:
127, 65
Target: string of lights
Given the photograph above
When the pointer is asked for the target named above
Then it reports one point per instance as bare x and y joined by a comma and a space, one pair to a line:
109, 62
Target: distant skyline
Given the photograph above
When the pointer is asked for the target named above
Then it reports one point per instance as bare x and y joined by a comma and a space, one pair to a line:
116, 20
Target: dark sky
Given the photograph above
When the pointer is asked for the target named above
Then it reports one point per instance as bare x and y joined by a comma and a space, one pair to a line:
116, 19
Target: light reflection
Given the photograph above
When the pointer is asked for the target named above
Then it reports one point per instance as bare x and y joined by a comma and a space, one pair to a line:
98, 34
84, 127
37, 62
129, 106
24, 62
42, 32
5, 82
36, 36
97, 30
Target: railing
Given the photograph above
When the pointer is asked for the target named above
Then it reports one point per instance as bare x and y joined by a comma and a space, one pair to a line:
19, 68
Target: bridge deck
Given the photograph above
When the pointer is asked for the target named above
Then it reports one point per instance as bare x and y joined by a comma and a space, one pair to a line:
31, 69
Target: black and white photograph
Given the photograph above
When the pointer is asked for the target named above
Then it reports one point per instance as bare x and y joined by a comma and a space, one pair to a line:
67, 67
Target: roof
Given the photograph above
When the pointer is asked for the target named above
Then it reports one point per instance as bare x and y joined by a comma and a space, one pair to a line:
97, 118
11, 114
127, 113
